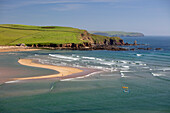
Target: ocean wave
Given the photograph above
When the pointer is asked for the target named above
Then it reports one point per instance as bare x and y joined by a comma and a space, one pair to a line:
99, 59
164, 69
139, 63
122, 75
142, 64
107, 63
91, 58
157, 74
123, 61
125, 66
63, 57
75, 55
104, 75
126, 71
9, 82
37, 55
138, 54
145, 67
69, 79
96, 67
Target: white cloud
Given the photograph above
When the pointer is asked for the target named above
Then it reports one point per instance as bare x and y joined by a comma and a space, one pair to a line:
67, 7
71, 1
66, 4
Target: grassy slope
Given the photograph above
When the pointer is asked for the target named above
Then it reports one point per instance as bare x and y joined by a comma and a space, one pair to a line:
112, 33
12, 34
120, 33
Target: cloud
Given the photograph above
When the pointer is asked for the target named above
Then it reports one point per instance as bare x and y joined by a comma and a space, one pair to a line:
71, 1
61, 5
68, 7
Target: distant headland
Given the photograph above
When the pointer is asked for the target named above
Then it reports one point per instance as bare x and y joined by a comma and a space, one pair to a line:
117, 33
57, 37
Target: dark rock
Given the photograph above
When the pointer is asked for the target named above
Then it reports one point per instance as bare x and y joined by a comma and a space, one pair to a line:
22, 44
141, 48
158, 49
133, 49
86, 36
36, 45
122, 42
135, 43
148, 48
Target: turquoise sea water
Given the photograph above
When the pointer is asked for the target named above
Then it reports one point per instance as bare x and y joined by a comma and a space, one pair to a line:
145, 73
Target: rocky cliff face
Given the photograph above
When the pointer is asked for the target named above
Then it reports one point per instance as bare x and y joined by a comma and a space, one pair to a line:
87, 37
88, 44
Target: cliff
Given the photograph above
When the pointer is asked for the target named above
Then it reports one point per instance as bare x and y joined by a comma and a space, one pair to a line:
55, 37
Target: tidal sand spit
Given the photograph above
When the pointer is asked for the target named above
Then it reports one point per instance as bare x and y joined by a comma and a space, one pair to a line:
63, 71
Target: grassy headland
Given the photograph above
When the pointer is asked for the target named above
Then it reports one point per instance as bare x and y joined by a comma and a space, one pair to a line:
117, 33
55, 36
12, 34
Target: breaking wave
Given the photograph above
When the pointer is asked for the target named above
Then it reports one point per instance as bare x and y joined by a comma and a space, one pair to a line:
157, 74
63, 57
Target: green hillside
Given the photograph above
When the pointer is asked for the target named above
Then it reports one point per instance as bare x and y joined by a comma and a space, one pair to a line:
100, 38
12, 34
117, 33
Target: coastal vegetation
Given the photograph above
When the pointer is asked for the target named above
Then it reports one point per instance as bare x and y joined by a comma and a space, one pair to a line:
13, 34
118, 33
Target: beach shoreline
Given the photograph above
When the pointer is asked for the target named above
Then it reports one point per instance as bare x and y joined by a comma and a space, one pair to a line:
16, 48
64, 72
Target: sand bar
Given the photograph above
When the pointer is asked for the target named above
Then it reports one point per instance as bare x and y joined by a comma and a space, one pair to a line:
63, 71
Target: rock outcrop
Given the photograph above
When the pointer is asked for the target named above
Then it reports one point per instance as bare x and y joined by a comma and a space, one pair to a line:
86, 37
89, 43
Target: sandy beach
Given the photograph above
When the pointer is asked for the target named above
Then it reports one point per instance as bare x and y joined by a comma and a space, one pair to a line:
15, 48
63, 71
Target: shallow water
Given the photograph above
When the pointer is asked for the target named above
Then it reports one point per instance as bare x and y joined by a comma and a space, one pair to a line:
145, 73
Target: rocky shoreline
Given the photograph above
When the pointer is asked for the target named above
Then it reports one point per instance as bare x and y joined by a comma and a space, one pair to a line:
89, 43
118, 47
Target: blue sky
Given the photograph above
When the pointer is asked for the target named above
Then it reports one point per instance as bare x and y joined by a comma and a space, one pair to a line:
151, 17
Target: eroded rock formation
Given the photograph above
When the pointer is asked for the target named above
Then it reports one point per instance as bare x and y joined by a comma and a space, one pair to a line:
109, 43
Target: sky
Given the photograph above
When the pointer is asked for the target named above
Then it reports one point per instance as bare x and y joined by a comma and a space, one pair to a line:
151, 17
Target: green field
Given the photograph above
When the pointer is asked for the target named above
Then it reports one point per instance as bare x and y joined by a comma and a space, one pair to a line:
117, 33
12, 34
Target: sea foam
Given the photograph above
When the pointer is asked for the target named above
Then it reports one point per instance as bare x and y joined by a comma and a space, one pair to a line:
138, 54
69, 79
91, 58
9, 82
63, 57
157, 74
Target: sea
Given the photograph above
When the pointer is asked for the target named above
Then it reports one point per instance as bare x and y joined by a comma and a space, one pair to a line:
129, 81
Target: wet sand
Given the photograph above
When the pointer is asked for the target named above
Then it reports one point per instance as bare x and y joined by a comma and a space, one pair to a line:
63, 71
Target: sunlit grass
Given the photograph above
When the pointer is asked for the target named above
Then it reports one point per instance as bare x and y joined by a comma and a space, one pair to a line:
12, 34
